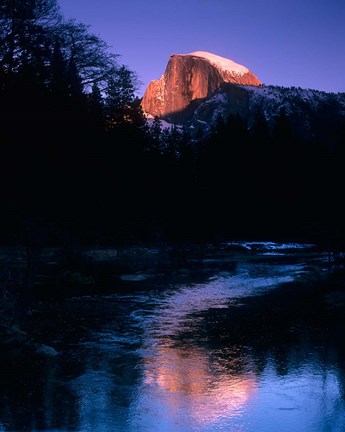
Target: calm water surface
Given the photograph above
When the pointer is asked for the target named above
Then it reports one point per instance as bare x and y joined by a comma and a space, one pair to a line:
153, 366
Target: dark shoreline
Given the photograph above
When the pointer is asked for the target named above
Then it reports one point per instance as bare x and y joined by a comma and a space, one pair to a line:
315, 300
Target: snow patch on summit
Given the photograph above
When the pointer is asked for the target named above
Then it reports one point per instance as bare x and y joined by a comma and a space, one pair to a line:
222, 63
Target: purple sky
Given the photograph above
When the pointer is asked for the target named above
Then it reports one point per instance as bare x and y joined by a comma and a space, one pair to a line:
288, 43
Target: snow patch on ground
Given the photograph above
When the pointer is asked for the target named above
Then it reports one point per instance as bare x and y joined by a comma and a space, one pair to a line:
163, 123
271, 246
136, 277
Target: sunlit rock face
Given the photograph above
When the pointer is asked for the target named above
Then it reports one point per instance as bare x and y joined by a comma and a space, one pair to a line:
192, 77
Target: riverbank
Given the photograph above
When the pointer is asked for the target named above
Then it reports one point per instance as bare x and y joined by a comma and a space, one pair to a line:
86, 282
315, 303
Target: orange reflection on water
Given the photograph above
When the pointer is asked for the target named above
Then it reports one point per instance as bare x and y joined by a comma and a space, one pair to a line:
187, 380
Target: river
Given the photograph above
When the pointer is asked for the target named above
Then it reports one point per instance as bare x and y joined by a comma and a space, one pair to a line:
173, 357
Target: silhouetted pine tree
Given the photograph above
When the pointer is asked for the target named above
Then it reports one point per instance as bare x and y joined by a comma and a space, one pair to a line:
282, 133
260, 136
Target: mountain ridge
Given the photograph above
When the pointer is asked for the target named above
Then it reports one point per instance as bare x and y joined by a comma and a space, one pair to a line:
304, 107
192, 77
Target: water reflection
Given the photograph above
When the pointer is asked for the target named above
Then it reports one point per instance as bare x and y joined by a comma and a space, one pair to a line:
186, 390
308, 398
193, 386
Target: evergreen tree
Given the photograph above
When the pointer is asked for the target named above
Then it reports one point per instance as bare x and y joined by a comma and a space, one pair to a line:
95, 97
282, 133
59, 82
260, 133
120, 97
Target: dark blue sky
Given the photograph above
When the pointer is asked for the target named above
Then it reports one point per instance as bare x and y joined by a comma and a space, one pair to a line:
284, 42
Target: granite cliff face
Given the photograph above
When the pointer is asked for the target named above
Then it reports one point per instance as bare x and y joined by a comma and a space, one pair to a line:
192, 78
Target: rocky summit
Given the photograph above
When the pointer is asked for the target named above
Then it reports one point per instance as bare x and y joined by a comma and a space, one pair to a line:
190, 79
